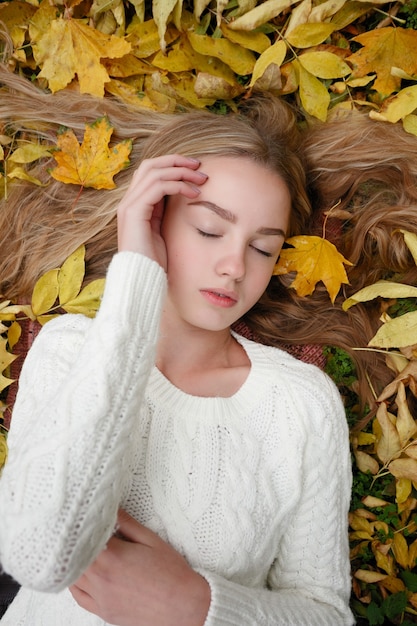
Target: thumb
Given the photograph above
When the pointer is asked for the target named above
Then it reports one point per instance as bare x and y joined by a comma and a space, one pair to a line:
131, 530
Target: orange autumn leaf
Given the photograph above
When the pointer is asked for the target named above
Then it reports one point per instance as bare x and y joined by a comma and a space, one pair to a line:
384, 49
94, 162
314, 259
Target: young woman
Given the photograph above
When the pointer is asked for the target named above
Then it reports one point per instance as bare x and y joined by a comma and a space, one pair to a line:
163, 469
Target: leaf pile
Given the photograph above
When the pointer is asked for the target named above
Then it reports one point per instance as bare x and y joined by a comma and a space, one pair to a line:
160, 54
383, 519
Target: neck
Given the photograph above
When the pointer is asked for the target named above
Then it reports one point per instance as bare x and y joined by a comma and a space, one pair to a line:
192, 349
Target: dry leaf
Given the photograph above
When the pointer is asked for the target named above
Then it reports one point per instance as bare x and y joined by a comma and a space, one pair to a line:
411, 241
70, 48
254, 40
397, 333
241, 60
383, 49
389, 444
397, 107
314, 259
273, 55
324, 64
161, 10
408, 372
383, 289
404, 468
88, 300
406, 426
308, 35
313, 94
71, 276
5, 360
45, 292
93, 163
260, 14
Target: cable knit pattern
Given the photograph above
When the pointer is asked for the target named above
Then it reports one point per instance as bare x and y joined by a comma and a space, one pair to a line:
253, 489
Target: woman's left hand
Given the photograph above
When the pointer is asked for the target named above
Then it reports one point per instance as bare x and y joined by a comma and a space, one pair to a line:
140, 580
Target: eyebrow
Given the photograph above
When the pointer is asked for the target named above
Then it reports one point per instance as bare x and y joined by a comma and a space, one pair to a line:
231, 217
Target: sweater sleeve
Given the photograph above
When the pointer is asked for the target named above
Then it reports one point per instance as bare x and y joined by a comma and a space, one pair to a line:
309, 581
80, 392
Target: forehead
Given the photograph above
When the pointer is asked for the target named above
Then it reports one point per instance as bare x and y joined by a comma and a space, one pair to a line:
239, 184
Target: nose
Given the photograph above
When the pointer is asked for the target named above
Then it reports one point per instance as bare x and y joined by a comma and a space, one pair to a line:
232, 264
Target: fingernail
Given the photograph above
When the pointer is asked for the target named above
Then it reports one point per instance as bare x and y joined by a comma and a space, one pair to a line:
197, 189
202, 174
194, 160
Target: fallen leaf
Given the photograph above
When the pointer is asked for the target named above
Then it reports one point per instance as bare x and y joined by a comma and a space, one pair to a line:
308, 35
383, 289
411, 241
254, 40
144, 38
45, 292
368, 576
389, 444
6, 358
275, 54
71, 276
240, 60
404, 468
16, 15
384, 48
313, 93
403, 487
260, 14
324, 64
314, 259
321, 12
161, 10
397, 107
209, 86
409, 371
93, 163
405, 424
410, 124
397, 333
29, 152
88, 300
366, 463
69, 48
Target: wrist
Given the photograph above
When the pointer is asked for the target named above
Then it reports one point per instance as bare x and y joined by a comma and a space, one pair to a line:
197, 604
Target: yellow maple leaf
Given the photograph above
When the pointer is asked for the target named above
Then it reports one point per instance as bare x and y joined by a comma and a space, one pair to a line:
3, 449
314, 259
69, 48
93, 163
383, 49
6, 358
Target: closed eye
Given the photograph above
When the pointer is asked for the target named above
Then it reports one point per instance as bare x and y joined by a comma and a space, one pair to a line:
263, 252
204, 234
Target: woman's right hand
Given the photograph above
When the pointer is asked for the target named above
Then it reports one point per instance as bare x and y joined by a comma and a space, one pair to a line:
140, 212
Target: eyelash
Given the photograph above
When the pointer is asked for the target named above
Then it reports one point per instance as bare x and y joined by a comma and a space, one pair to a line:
210, 235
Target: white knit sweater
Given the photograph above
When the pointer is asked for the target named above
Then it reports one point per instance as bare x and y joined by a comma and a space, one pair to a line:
252, 489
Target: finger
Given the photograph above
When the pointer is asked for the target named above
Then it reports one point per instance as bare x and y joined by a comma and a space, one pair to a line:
83, 599
169, 160
159, 169
133, 531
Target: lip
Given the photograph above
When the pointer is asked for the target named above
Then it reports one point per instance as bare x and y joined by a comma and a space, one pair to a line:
220, 297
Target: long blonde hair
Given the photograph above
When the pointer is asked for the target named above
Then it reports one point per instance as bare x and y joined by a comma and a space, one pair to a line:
367, 170
41, 226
